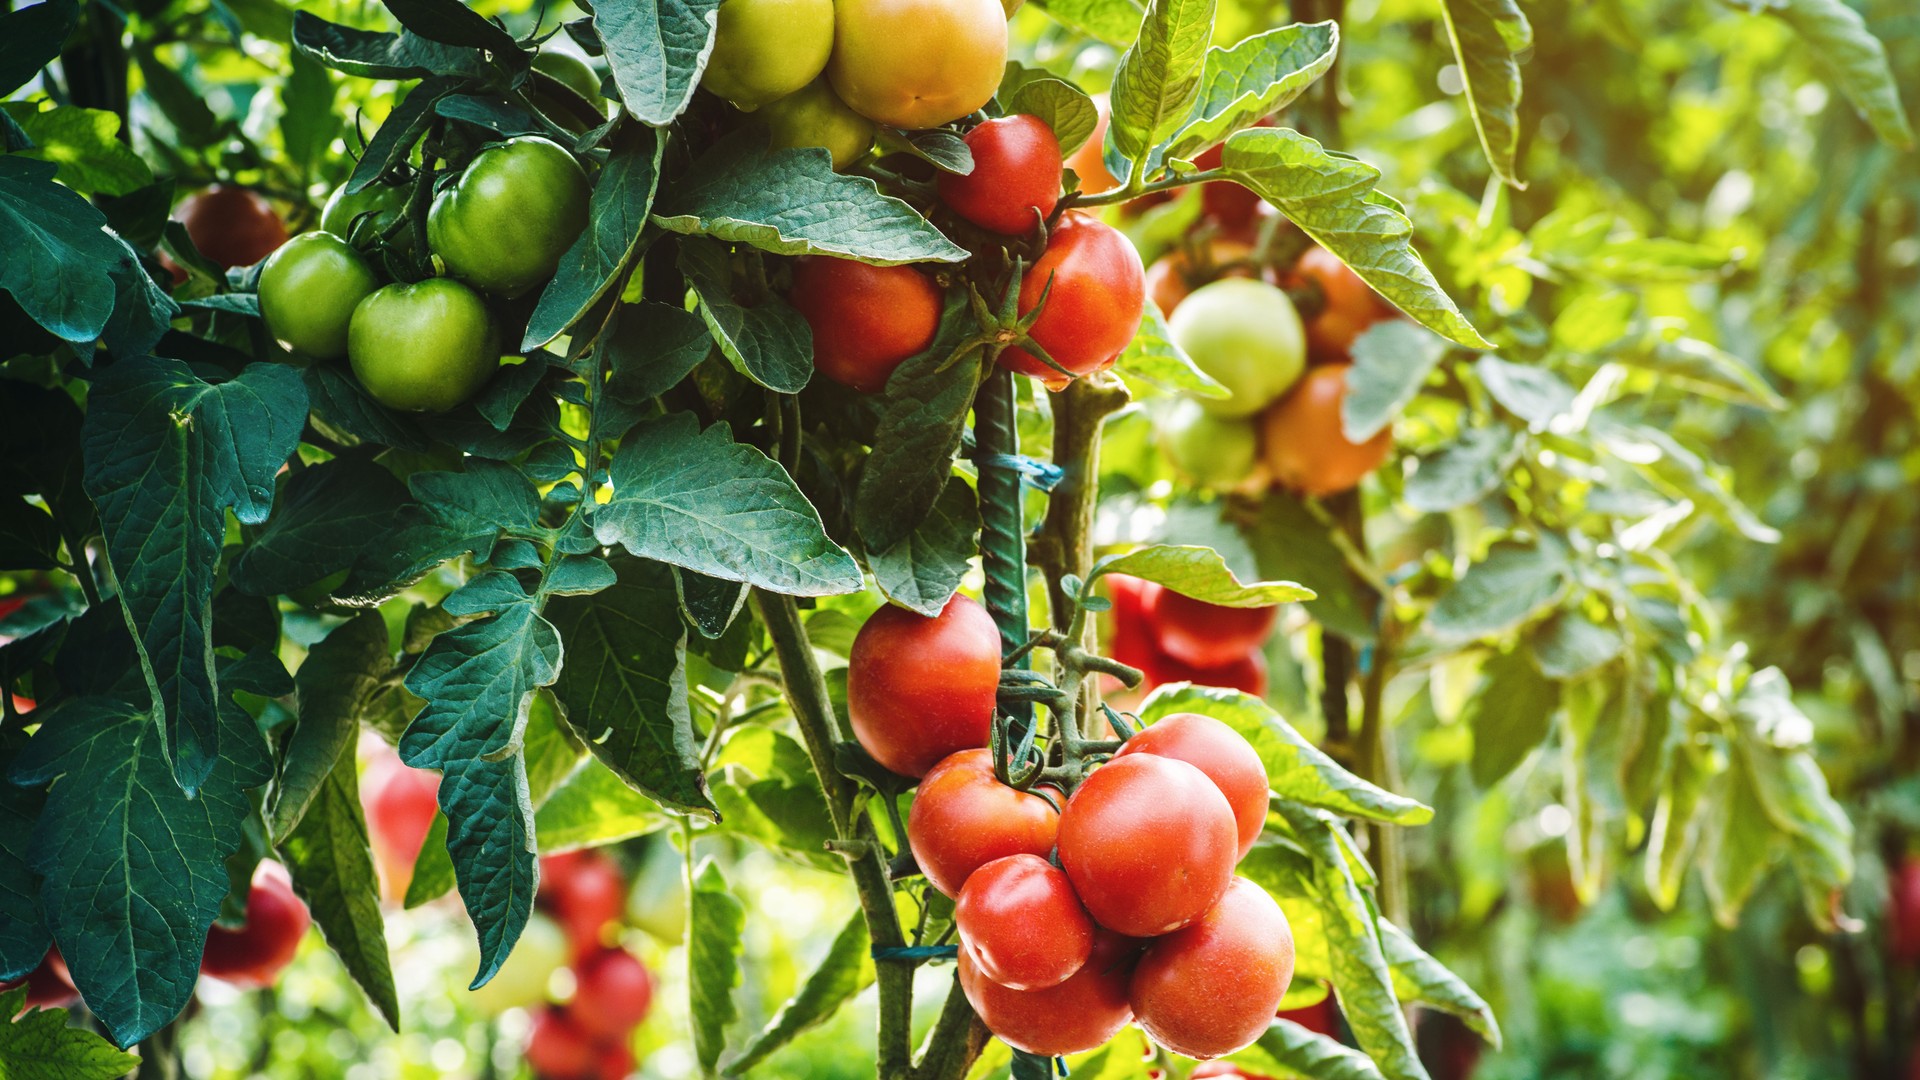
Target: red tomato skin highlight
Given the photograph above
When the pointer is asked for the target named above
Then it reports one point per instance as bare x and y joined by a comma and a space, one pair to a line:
1099, 290
1015, 180
865, 319
1223, 755
584, 891
920, 689
1202, 634
1304, 443
1149, 844
1075, 1016
614, 993
964, 818
254, 955
559, 1049
1021, 923
1212, 988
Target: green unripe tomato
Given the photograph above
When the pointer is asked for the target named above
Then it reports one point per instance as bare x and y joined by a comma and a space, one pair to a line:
308, 290
425, 347
1216, 452
569, 69
521, 982
383, 201
764, 50
815, 116
504, 224
1246, 335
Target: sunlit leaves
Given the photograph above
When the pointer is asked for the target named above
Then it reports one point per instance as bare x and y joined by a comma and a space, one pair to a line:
1158, 78
623, 195
1487, 37
1511, 584
1840, 38
656, 52
1201, 573
37, 1044
715, 922
1254, 79
843, 972
922, 570
1391, 361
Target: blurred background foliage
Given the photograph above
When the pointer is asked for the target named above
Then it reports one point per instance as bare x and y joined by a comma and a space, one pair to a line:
1776, 227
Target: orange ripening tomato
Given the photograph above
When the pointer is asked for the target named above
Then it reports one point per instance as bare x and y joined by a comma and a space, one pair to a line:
1149, 843
963, 818
1212, 988
1304, 443
1096, 292
1173, 277
919, 689
865, 319
1351, 305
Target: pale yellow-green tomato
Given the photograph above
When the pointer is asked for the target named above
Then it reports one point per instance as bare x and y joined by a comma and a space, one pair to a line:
1247, 335
916, 64
521, 982
815, 116
1216, 452
764, 50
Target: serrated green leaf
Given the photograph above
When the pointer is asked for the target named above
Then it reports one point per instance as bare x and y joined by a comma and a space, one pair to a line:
167, 455
331, 864
1839, 36
700, 500
308, 122
478, 682
1201, 573
715, 921
1419, 977
791, 202
624, 687
339, 677
1391, 361
922, 571
1488, 36
623, 195
452, 513
1288, 1049
1510, 716
31, 37
656, 52
1512, 584
1774, 743
1528, 391
1463, 472
1254, 79
38, 1044
1675, 828
1333, 200
59, 255
84, 144
593, 807
651, 347
769, 342
1158, 78
1296, 769
320, 523
1153, 356
923, 414
433, 876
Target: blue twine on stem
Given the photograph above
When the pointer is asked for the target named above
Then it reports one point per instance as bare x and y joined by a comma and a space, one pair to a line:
914, 952
1044, 475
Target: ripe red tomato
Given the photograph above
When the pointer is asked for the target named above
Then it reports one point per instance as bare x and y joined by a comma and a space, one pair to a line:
1322, 1018
400, 803
1226, 202
1131, 639
614, 993
616, 1061
1149, 843
963, 818
1220, 752
865, 319
1211, 989
1075, 1016
254, 955
1174, 276
48, 984
1903, 911
1087, 162
1098, 291
1128, 637
1351, 305
919, 689
1305, 446
585, 891
1247, 674
1021, 923
1202, 634
231, 226
559, 1049
1016, 171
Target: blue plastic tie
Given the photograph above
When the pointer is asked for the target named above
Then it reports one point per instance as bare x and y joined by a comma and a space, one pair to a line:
1043, 475
915, 952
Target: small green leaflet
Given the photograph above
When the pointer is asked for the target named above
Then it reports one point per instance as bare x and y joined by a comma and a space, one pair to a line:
768, 342
656, 52
478, 682
320, 523
38, 1045
1419, 977
340, 675
1333, 199
1488, 36
1065, 107
1157, 80
616, 222
1253, 80
1201, 573
594, 806
715, 921
1286, 1048
167, 455
1510, 715
1512, 584
923, 570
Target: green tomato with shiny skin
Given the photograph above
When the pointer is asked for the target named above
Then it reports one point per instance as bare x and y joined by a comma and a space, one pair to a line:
309, 288
383, 201
1216, 452
503, 226
1247, 335
571, 70
425, 347
764, 50
815, 116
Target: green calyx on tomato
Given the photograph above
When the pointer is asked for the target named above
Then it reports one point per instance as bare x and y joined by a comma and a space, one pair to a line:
517, 208
1247, 336
1217, 452
916, 64
425, 347
382, 203
815, 116
764, 50
1096, 291
308, 290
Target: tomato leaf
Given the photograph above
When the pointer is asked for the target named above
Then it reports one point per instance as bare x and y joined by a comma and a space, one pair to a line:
1065, 107
167, 455
30, 39
83, 143
1287, 1048
700, 500
1462, 472
1419, 977
923, 569
616, 233
340, 675
1201, 573
1296, 769
23, 932
59, 255
402, 128
1287, 539
319, 525
453, 513
1510, 716
651, 347
593, 806
1391, 361
1157, 80
1737, 844
923, 415
769, 342
1530, 392
843, 972
624, 687
1115, 22
1512, 584
1774, 743
433, 875
37, 1044
478, 682
1569, 644
1488, 36
1251, 81
331, 865
1333, 199
373, 54
451, 22
791, 202
715, 921
710, 604
656, 52
1838, 34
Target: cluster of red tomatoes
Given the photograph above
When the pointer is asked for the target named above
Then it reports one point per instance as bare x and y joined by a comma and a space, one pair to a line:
590, 1037
1121, 907
1175, 638
866, 319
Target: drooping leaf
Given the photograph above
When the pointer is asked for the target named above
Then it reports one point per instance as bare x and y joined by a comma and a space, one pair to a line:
1675, 827
167, 455
341, 674
709, 603
1391, 360
478, 682
624, 687
328, 857
58, 255
791, 202
1510, 716
452, 22
1157, 80
1701, 367
923, 414
1488, 36
1065, 107
372, 54
1287, 1049
616, 220
1528, 391
768, 342
922, 571
1736, 842
1288, 541
1333, 199
1254, 79
1676, 470
1201, 573
403, 127
843, 972
698, 499
1296, 769
309, 122
1512, 584
1840, 38
715, 921
319, 524
37, 1044
1419, 977
656, 52
1775, 745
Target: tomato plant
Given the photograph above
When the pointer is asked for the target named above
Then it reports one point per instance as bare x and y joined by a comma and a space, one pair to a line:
919, 688
865, 319
1304, 437
1095, 290
1079, 1014
516, 208
917, 63
1021, 924
1212, 988
1149, 843
308, 290
1246, 335
963, 818
1223, 755
1015, 181
425, 347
